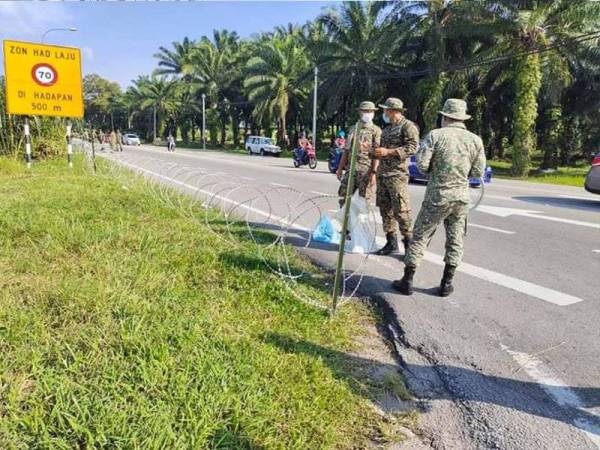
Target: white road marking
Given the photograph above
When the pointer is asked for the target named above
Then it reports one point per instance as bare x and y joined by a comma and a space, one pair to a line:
559, 391
280, 185
581, 197
247, 178
525, 287
596, 251
484, 227
323, 194
506, 212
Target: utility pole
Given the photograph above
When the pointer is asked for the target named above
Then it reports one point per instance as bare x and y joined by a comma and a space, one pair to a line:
314, 124
154, 115
203, 122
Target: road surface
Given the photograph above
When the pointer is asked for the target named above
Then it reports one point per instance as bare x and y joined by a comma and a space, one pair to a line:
512, 359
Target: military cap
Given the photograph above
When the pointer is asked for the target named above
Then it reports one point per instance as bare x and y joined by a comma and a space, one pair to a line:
367, 106
456, 109
393, 103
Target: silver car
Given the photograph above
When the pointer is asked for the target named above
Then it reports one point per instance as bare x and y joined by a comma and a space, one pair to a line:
592, 180
131, 139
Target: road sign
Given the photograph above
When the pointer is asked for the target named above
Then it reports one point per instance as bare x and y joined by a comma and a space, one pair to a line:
43, 80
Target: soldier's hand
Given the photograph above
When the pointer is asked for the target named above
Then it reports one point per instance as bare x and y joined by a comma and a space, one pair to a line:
372, 179
339, 174
381, 152
365, 146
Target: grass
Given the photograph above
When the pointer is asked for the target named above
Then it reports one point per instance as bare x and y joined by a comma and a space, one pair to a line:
569, 176
126, 324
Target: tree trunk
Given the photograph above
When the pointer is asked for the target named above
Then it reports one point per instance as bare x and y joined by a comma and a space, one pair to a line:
528, 80
552, 138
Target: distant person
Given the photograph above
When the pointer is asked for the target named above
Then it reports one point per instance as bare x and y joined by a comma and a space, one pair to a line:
303, 144
119, 141
340, 140
113, 140
170, 143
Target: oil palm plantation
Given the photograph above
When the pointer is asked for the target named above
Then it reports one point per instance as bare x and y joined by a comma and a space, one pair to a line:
274, 80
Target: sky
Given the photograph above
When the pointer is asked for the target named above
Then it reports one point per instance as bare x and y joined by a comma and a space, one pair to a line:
118, 39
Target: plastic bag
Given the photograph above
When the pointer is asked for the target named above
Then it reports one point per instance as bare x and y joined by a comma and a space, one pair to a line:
326, 231
362, 226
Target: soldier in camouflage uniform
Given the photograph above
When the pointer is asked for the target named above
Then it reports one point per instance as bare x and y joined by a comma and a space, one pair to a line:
366, 167
399, 141
450, 155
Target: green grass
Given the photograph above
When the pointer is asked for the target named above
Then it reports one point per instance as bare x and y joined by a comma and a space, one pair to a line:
570, 176
127, 324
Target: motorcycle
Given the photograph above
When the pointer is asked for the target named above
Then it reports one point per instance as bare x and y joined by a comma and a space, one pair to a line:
335, 156
306, 156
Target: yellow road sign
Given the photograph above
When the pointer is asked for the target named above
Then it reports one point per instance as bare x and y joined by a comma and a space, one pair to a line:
43, 79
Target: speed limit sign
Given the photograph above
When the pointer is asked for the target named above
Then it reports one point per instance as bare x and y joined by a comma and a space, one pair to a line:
44, 74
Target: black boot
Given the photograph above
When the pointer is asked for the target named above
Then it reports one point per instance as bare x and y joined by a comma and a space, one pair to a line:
405, 285
446, 286
406, 242
391, 246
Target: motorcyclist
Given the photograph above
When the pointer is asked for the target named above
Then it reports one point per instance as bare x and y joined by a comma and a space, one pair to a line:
340, 140
303, 144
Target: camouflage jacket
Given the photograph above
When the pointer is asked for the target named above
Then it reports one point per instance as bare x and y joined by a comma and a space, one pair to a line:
368, 132
450, 155
404, 138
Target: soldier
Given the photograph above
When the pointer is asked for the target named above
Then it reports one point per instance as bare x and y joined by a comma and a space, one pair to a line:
450, 155
366, 166
119, 141
113, 140
398, 142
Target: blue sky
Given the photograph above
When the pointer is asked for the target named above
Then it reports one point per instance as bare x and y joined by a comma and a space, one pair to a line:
118, 39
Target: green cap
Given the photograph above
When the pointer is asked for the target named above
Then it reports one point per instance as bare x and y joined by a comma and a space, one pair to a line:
393, 103
367, 106
456, 109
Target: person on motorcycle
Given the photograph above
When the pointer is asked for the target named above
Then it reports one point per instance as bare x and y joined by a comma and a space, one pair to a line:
366, 166
340, 140
303, 144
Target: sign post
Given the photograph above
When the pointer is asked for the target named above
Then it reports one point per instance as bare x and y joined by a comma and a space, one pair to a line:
42, 80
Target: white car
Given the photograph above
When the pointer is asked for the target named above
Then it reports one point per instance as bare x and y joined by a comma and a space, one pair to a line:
262, 146
131, 139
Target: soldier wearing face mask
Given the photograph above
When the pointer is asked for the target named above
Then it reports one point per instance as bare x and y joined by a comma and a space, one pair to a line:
366, 166
399, 141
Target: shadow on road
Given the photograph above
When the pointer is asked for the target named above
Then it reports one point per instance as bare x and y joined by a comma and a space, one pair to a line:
563, 202
527, 397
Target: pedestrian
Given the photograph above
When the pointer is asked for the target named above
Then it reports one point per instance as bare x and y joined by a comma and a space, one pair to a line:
119, 141
170, 143
399, 140
369, 139
450, 155
113, 140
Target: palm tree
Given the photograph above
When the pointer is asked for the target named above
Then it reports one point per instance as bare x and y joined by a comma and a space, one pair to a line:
273, 80
178, 61
158, 94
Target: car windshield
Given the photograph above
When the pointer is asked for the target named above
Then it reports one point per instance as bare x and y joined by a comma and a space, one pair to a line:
267, 141
132, 135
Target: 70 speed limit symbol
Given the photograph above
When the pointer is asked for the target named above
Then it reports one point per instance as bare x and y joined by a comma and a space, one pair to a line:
44, 74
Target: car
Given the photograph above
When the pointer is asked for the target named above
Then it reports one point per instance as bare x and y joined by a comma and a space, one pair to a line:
262, 145
592, 179
416, 175
131, 139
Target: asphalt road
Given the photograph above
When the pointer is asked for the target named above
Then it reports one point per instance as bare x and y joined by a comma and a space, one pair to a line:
512, 359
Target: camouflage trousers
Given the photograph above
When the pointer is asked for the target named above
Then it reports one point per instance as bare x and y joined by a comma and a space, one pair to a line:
360, 182
394, 204
454, 216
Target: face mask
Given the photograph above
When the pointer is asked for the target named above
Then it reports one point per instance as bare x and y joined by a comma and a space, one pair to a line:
386, 119
367, 117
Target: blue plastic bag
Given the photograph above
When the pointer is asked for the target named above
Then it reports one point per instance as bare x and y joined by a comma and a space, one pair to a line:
325, 231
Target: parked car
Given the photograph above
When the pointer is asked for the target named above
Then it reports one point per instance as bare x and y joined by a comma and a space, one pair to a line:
262, 145
592, 179
131, 139
416, 175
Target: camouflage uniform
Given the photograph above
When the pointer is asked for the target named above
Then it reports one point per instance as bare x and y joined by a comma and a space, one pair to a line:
119, 141
368, 133
450, 155
392, 176
113, 140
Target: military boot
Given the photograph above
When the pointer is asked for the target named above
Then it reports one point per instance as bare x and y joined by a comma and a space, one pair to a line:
406, 242
391, 246
405, 285
446, 286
